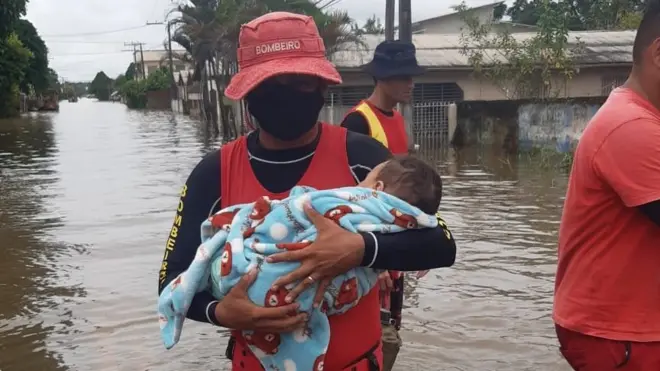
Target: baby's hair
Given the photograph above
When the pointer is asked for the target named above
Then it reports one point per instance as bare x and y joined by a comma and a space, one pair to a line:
414, 181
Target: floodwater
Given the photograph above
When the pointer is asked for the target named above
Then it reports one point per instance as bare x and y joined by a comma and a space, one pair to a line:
87, 196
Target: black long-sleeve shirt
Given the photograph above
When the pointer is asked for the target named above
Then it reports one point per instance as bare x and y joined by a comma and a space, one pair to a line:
279, 171
652, 210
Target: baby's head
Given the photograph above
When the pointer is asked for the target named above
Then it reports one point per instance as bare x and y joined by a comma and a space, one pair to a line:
409, 179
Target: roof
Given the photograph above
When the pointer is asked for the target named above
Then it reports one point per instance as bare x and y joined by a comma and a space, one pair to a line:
153, 55
439, 51
491, 5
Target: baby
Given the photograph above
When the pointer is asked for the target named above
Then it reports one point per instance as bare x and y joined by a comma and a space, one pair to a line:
402, 193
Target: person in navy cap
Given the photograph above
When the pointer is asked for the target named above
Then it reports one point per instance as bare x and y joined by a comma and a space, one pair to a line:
393, 68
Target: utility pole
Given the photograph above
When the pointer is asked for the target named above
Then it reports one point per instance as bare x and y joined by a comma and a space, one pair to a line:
169, 55
405, 22
389, 19
140, 67
144, 73
405, 34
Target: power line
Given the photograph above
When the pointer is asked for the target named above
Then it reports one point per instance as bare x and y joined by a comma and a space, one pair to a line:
83, 42
99, 53
96, 33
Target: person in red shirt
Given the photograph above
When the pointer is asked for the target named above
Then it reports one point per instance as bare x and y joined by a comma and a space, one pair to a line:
283, 76
393, 67
607, 289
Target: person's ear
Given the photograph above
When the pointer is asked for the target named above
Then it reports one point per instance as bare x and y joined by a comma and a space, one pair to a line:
379, 186
655, 52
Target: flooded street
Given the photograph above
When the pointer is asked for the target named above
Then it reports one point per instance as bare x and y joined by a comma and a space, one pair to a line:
87, 197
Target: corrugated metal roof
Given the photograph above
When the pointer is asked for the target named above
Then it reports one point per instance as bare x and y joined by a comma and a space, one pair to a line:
444, 51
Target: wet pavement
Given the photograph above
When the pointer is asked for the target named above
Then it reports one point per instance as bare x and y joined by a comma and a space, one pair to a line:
87, 197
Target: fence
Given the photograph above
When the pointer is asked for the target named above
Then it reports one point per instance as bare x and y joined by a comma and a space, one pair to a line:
430, 122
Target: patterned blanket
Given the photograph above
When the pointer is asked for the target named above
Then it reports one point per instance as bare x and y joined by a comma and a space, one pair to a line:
239, 238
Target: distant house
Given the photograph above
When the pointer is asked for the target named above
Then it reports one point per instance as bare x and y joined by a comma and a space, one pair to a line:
452, 23
153, 60
604, 65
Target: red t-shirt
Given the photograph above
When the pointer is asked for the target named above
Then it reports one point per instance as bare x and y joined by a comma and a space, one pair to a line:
608, 274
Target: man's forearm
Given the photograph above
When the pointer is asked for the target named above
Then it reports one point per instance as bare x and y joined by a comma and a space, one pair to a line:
410, 250
202, 308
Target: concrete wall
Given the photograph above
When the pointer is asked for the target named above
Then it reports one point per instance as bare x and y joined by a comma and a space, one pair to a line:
159, 99
487, 123
555, 125
452, 23
515, 125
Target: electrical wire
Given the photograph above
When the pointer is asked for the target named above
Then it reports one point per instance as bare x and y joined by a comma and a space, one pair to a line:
96, 33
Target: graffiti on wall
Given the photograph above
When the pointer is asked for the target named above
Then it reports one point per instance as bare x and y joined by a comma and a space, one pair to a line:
557, 125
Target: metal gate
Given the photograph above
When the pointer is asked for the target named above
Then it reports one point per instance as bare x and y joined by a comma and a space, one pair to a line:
430, 110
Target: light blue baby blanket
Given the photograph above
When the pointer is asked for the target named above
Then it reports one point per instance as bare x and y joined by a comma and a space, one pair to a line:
239, 238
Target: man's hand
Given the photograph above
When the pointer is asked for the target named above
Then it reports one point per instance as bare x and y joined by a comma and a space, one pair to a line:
385, 281
334, 252
236, 311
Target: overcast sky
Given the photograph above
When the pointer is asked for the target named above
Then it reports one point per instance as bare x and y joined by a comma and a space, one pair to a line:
77, 32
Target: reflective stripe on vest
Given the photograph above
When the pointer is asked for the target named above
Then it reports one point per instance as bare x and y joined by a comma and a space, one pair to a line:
375, 127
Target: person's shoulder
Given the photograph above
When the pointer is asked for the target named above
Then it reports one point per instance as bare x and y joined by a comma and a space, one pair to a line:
354, 139
622, 112
365, 151
210, 163
356, 121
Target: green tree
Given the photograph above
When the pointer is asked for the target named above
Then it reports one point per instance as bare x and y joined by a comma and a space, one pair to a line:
582, 14
135, 91
36, 75
372, 26
14, 61
53, 80
130, 72
101, 86
522, 67
120, 80
10, 12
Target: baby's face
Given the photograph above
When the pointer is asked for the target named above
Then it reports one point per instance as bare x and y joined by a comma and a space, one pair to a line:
371, 181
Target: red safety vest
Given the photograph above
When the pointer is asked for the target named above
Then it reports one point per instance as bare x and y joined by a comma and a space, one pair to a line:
355, 332
389, 130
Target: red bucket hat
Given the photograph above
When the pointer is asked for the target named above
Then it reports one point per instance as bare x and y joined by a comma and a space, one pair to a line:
275, 44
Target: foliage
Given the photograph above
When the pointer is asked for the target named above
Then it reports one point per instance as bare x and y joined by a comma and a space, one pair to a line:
36, 75
10, 12
101, 86
120, 80
522, 66
53, 80
372, 26
14, 60
582, 14
547, 158
629, 20
130, 71
135, 91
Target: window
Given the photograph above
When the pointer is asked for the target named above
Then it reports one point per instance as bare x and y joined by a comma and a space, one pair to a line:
347, 95
445, 92
611, 82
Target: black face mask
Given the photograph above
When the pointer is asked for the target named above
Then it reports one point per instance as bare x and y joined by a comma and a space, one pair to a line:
283, 111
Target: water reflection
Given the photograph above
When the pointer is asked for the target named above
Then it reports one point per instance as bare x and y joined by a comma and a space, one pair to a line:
79, 278
34, 284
